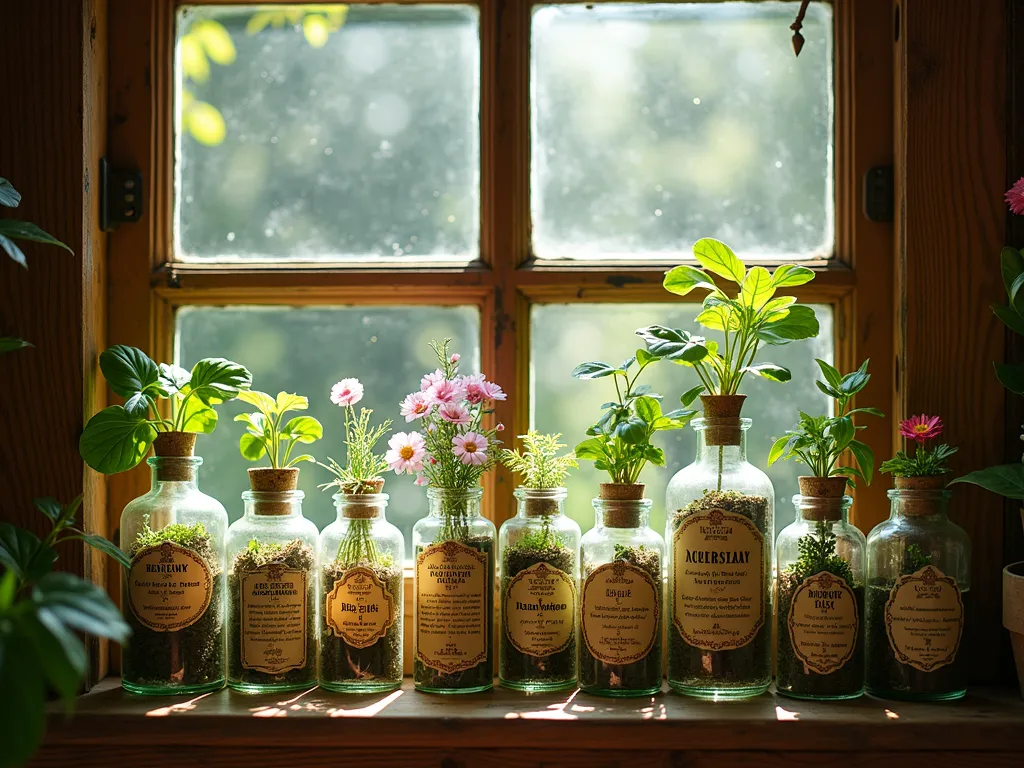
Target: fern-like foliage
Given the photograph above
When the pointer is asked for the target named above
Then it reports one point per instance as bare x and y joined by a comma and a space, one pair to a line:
363, 466
817, 554
914, 559
539, 464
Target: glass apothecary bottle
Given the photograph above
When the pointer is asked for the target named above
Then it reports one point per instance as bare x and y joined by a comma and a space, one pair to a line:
621, 597
453, 590
720, 532
820, 561
918, 576
361, 557
272, 590
173, 594
538, 574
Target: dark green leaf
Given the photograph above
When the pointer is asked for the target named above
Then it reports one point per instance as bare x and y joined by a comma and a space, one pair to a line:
26, 230
832, 376
172, 378
673, 343
22, 705
683, 279
1011, 319
770, 371
10, 344
58, 652
865, 459
80, 605
113, 441
22, 552
137, 406
870, 411
633, 431
1007, 480
9, 196
1011, 265
11, 249
1011, 377
594, 371
103, 545
800, 323
835, 394
654, 455
1015, 291
841, 431
50, 507
691, 394
216, 380
128, 370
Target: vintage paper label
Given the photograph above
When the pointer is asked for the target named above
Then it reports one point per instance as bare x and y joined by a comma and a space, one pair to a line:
274, 619
169, 587
451, 606
621, 609
718, 580
824, 621
540, 604
924, 619
360, 608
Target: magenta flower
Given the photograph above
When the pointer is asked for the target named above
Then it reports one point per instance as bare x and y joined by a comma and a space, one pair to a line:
500, 427
406, 452
455, 413
1015, 197
445, 392
415, 406
921, 428
347, 392
471, 448
431, 379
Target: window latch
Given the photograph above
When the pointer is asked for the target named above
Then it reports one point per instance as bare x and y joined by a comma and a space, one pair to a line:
879, 204
120, 196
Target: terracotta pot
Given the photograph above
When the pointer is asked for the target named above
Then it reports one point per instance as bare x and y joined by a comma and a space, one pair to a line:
1013, 614
722, 418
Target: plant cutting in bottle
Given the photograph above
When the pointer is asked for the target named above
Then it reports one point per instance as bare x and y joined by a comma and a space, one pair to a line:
363, 469
267, 434
538, 464
925, 462
118, 437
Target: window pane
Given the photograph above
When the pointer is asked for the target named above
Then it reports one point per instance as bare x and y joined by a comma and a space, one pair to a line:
307, 351
328, 132
656, 125
564, 335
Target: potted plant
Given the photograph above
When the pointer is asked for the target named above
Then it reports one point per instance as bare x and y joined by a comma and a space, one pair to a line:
918, 579
820, 556
538, 571
361, 557
621, 595
453, 582
721, 498
174, 591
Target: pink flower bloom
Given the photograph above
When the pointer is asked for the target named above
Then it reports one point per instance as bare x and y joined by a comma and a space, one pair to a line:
492, 391
347, 392
1015, 197
421, 479
456, 357
500, 427
479, 389
406, 452
471, 448
445, 392
921, 428
431, 379
456, 413
415, 406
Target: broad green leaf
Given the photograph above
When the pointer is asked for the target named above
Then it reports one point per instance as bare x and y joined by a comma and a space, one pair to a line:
655, 455
633, 431
853, 383
113, 441
1011, 266
103, 545
137, 406
595, 371
173, 379
11, 249
23, 714
255, 423
673, 343
60, 654
215, 380
841, 431
648, 409
80, 605
865, 459
216, 40
286, 402
1007, 480
9, 196
645, 358
779, 449
9, 344
770, 371
592, 449
758, 288
715, 256
49, 506
261, 400
790, 275
303, 429
26, 230
128, 370
198, 417
777, 309
1011, 377
683, 279
251, 447
800, 323
691, 394
720, 317
835, 394
1010, 317
832, 376
22, 552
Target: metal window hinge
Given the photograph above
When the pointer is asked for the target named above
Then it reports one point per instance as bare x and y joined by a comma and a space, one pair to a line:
120, 196
879, 194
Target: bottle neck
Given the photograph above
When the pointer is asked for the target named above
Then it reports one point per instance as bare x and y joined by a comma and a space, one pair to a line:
540, 502
813, 509
632, 513
919, 503
721, 440
454, 502
360, 506
176, 471
276, 504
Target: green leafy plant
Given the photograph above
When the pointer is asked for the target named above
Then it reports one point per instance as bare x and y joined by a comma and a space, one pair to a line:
41, 614
266, 435
924, 462
753, 317
817, 553
819, 441
363, 468
118, 437
539, 464
620, 441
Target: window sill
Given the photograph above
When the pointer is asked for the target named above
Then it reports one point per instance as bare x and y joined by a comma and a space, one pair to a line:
406, 728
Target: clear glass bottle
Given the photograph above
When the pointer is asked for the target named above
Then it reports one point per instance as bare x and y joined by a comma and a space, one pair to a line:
538, 573
918, 576
173, 595
272, 591
720, 531
820, 596
453, 592
621, 601
361, 558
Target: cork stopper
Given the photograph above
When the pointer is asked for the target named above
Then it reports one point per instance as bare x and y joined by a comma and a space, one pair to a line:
174, 451
619, 509
722, 419
363, 506
822, 497
921, 496
267, 480
174, 444
540, 507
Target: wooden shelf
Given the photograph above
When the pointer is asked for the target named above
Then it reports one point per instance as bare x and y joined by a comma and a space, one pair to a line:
503, 728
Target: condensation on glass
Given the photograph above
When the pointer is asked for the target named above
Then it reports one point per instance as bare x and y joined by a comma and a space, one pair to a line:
306, 351
657, 124
327, 132
563, 335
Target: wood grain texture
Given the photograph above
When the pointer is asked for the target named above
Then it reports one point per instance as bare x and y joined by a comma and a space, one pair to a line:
951, 158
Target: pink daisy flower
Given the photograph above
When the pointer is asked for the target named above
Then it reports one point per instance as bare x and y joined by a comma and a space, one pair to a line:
492, 391
921, 428
406, 452
471, 448
456, 357
455, 413
479, 389
445, 392
415, 406
421, 479
347, 392
431, 379
1015, 197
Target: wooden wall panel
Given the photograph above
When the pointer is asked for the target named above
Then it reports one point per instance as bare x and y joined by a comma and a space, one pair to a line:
951, 160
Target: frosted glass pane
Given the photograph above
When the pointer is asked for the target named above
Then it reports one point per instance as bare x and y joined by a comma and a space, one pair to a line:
328, 132
564, 335
306, 351
657, 124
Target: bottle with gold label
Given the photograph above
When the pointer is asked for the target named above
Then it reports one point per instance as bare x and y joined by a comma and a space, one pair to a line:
361, 557
820, 596
621, 596
918, 577
538, 573
173, 594
719, 533
272, 588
